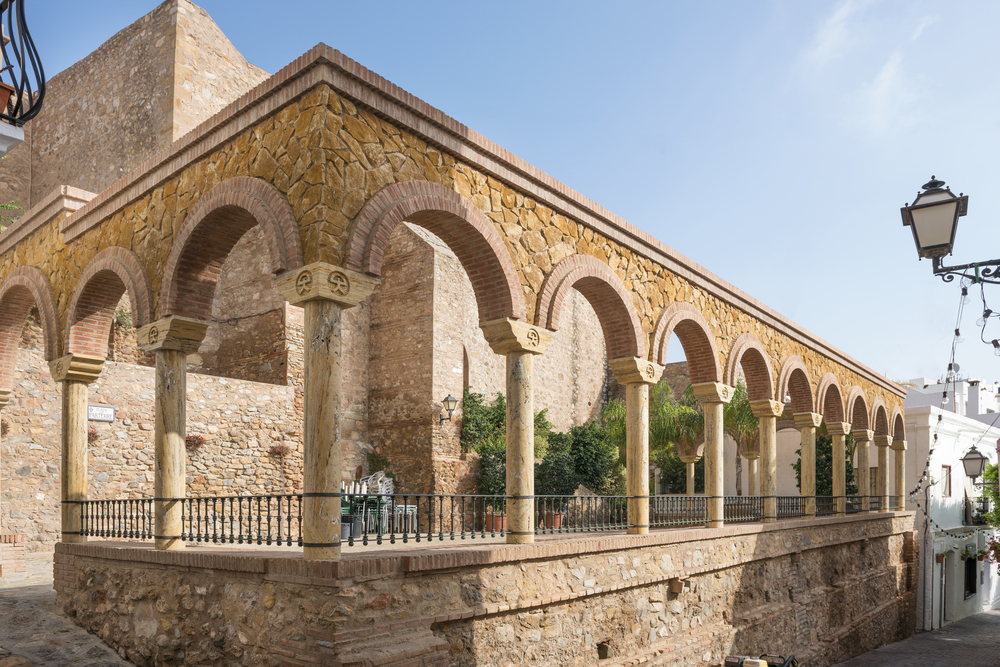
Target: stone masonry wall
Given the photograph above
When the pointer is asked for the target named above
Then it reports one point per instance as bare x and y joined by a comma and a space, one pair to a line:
240, 421
823, 590
144, 88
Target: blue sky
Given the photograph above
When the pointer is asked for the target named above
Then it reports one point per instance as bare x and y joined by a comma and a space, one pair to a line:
771, 142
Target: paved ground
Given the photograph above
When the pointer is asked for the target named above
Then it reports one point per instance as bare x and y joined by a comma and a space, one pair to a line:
971, 642
33, 633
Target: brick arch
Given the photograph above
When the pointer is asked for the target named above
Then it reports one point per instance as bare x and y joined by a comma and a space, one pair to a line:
794, 381
898, 427
879, 417
606, 293
455, 220
751, 355
830, 399
25, 287
216, 223
696, 338
857, 408
111, 273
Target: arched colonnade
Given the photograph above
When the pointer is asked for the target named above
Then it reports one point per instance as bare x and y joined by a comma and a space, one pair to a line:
174, 324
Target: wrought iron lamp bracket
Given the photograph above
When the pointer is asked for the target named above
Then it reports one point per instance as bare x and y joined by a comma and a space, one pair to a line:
982, 272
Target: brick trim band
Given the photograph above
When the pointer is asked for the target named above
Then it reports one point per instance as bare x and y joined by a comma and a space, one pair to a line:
749, 355
26, 286
696, 338
830, 399
794, 381
857, 406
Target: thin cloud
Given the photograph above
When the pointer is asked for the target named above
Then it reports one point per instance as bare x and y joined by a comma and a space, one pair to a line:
924, 22
834, 37
887, 104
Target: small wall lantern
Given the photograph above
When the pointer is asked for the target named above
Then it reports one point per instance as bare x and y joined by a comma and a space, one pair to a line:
450, 403
933, 219
974, 462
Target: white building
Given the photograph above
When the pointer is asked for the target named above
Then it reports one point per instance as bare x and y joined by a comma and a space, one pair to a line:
966, 587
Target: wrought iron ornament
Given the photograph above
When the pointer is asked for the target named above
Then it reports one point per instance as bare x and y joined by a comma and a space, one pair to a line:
21, 72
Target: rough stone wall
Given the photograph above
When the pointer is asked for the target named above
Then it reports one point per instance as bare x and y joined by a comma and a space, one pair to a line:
246, 338
824, 590
401, 365
240, 421
144, 88
209, 72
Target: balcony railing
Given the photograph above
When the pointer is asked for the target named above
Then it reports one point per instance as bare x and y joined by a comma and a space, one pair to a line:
377, 519
21, 74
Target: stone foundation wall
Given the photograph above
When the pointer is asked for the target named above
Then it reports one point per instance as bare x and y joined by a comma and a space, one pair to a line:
823, 590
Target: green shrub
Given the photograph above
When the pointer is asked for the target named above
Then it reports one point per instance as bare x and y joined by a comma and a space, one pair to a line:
492, 478
556, 475
481, 420
595, 459
378, 463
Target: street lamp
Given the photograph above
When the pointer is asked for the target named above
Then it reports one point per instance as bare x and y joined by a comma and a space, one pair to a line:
975, 463
933, 219
450, 403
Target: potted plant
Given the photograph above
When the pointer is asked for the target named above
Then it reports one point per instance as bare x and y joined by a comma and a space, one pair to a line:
555, 481
940, 556
491, 482
982, 554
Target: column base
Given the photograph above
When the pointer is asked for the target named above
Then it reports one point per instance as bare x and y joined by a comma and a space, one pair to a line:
520, 539
715, 524
638, 530
73, 538
172, 544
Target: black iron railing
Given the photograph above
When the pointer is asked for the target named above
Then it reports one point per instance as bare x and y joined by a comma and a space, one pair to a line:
126, 519
826, 505
742, 508
894, 503
875, 503
789, 507
276, 520
669, 511
22, 77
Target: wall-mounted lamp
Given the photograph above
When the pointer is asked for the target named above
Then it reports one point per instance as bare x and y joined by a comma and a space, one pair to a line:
450, 404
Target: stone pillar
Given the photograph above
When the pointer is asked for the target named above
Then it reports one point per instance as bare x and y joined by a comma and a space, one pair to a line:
637, 375
323, 291
519, 342
807, 423
712, 396
171, 340
838, 431
689, 461
753, 472
768, 411
899, 449
75, 372
862, 438
882, 481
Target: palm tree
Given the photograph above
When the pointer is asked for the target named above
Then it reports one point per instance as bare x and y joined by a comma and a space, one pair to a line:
678, 425
741, 425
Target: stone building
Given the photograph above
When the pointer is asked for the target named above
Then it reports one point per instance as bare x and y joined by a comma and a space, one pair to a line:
311, 267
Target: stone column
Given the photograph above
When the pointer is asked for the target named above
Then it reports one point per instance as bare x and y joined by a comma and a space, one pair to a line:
689, 461
807, 423
899, 449
768, 411
637, 375
712, 396
862, 438
171, 339
882, 481
519, 342
75, 372
753, 472
838, 431
324, 291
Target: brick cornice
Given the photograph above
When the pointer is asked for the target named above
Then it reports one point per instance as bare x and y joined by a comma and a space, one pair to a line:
64, 199
322, 64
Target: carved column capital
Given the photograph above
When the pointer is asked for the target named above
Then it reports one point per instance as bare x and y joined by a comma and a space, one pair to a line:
636, 370
883, 440
766, 408
805, 419
712, 392
838, 428
172, 333
320, 281
864, 435
76, 368
509, 335
898, 445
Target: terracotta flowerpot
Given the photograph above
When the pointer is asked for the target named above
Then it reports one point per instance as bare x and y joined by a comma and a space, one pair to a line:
553, 520
496, 523
939, 558
6, 90
982, 557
